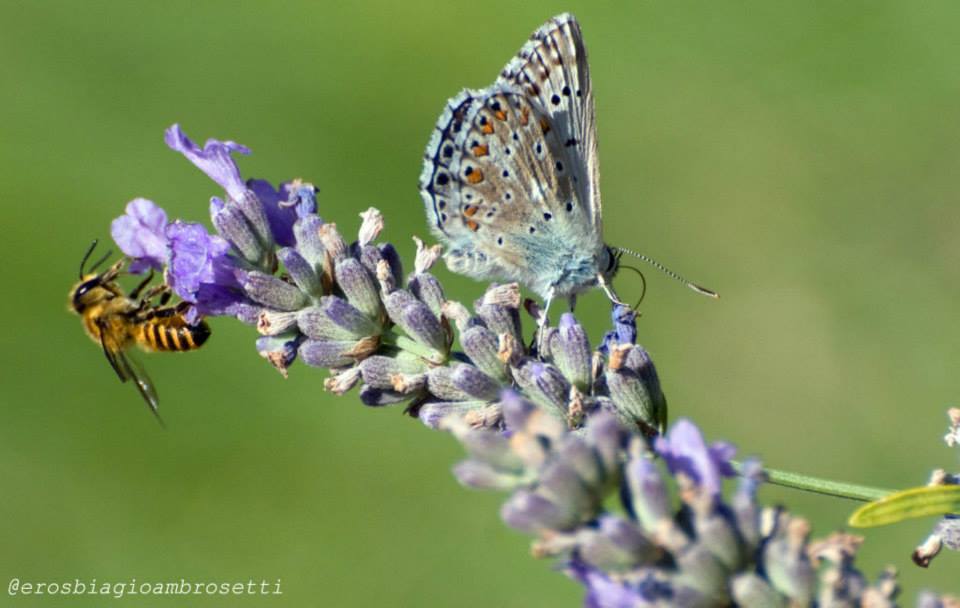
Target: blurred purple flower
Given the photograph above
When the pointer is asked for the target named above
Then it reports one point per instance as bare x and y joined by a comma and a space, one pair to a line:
214, 159
684, 451
139, 234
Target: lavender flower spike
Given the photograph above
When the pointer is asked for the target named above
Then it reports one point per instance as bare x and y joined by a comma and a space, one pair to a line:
139, 233
214, 159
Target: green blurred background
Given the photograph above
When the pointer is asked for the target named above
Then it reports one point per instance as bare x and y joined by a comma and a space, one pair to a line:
801, 158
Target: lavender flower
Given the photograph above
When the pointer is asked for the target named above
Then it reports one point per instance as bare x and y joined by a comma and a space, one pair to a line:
563, 430
139, 233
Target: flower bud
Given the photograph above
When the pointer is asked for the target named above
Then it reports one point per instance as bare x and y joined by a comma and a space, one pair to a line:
272, 292
335, 319
359, 286
302, 272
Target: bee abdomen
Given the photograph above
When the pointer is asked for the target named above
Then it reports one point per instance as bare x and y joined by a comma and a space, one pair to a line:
167, 335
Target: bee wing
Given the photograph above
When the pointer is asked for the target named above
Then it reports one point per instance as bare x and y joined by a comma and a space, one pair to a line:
128, 368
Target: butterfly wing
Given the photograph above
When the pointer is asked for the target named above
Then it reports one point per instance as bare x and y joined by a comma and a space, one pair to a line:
503, 188
552, 68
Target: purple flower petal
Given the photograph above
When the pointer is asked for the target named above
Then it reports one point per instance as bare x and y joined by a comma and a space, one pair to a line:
214, 159
280, 215
685, 451
139, 234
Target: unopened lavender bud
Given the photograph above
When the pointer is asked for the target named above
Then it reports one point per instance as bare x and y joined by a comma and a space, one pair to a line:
743, 503
560, 483
632, 399
333, 243
579, 456
426, 257
474, 382
389, 254
416, 319
233, 226
327, 353
751, 590
428, 290
335, 319
301, 271
785, 560
606, 436
523, 416
530, 512
339, 384
499, 309
279, 350
701, 571
545, 385
273, 322
253, 211
481, 476
438, 414
306, 231
273, 292
570, 350
359, 286
616, 545
717, 535
481, 345
440, 383
648, 492
371, 226
376, 397
378, 371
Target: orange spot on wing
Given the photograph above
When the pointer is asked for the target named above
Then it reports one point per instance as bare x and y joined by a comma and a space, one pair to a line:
545, 125
475, 177
487, 129
470, 210
500, 114
472, 225
480, 151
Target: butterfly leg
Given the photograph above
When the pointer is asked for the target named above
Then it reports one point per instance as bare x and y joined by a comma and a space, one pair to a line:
542, 322
572, 301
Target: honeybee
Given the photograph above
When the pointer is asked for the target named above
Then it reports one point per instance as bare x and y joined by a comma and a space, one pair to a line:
117, 321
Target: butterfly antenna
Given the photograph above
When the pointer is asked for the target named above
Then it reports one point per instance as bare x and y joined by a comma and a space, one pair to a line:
643, 281
87, 255
670, 273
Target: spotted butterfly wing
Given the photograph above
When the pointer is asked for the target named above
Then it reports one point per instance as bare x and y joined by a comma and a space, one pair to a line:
505, 181
552, 68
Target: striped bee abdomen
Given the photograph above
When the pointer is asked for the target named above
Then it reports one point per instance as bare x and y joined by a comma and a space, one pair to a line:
172, 334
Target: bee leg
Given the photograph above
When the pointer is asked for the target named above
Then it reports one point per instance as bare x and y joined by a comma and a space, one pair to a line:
136, 292
157, 290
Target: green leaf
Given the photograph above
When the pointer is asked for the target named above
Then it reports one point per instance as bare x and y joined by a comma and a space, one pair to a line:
908, 504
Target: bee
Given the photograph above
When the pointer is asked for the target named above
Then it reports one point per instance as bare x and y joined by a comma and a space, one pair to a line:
117, 321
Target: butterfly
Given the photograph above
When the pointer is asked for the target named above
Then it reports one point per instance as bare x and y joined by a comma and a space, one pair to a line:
511, 176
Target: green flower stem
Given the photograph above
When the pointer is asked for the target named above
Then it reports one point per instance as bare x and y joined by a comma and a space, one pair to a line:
821, 486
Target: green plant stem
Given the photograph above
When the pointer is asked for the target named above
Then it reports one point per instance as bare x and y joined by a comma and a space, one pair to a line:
817, 485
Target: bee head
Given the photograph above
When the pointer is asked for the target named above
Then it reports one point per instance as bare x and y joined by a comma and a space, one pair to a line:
92, 286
